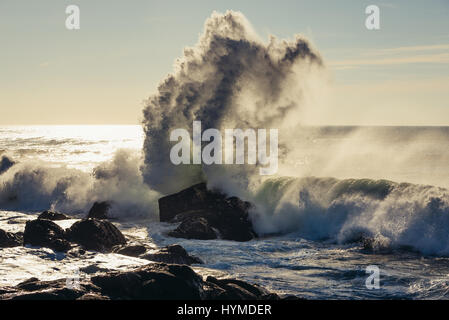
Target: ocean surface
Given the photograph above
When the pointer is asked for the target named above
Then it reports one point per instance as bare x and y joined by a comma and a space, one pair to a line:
387, 184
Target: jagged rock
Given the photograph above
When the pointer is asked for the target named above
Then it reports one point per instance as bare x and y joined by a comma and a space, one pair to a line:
229, 215
155, 281
97, 235
50, 215
194, 228
9, 239
134, 250
193, 198
99, 210
45, 233
172, 254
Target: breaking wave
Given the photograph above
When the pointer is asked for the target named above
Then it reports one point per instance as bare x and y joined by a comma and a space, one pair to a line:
35, 185
229, 79
393, 215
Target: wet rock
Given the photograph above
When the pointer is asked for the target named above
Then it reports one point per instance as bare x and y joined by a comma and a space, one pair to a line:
232, 289
45, 233
9, 239
155, 281
194, 228
172, 254
34, 289
76, 252
97, 235
130, 250
193, 198
92, 269
54, 216
93, 296
292, 298
229, 215
377, 244
99, 210
34, 284
53, 294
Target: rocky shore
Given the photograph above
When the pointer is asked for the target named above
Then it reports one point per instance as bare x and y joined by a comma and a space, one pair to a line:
196, 213
155, 281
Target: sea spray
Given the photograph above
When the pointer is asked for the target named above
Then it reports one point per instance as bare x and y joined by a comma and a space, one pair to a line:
35, 186
229, 79
400, 214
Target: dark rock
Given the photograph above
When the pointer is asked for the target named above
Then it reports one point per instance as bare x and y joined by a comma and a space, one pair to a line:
99, 210
53, 294
119, 285
34, 284
228, 215
92, 269
50, 215
9, 239
172, 254
5, 164
76, 252
232, 289
7, 290
194, 228
134, 250
34, 289
292, 298
155, 281
377, 244
45, 233
193, 198
93, 296
97, 235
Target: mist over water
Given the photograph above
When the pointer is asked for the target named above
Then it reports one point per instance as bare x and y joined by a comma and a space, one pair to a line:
67, 168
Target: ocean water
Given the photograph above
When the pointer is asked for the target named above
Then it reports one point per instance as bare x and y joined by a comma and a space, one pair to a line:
387, 184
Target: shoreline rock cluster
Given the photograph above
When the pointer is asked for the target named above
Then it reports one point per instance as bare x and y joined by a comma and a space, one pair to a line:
155, 281
89, 234
207, 214
202, 214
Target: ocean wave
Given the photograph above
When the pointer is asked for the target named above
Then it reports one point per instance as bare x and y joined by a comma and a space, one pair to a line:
36, 185
389, 214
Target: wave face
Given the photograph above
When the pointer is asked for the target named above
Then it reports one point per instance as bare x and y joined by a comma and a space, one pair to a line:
229, 79
394, 215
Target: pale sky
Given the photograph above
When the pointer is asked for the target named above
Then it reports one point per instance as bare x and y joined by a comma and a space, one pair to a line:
100, 74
